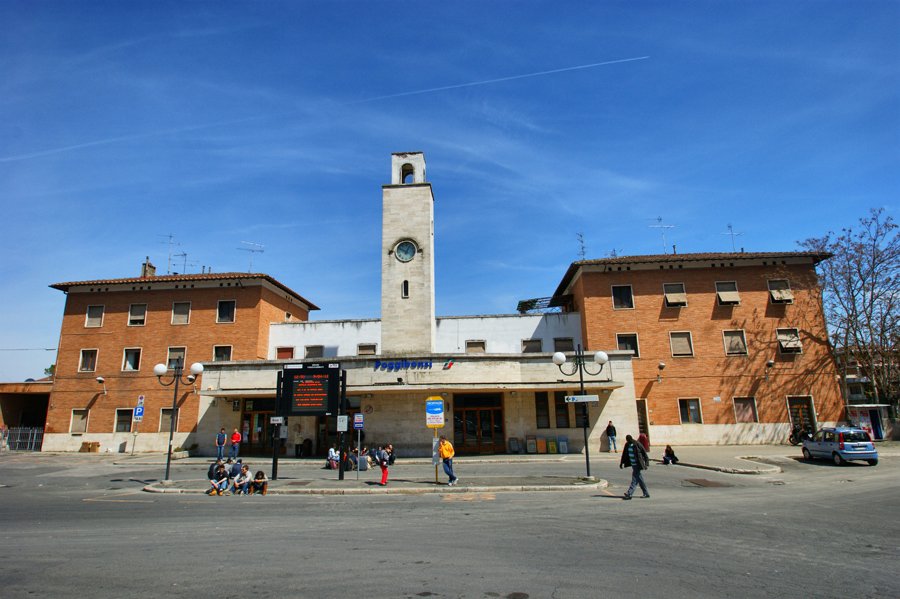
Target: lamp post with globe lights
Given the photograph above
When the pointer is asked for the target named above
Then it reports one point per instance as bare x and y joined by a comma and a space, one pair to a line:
160, 370
580, 365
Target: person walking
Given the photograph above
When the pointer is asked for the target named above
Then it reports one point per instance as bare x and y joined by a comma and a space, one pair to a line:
297, 438
611, 436
384, 462
634, 455
235, 444
220, 444
445, 451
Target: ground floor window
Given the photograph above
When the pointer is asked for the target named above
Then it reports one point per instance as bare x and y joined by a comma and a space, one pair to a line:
562, 409
79, 421
690, 411
541, 410
745, 409
165, 420
123, 420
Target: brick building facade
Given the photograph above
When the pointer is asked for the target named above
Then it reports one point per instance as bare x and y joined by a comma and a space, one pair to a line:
729, 348
118, 329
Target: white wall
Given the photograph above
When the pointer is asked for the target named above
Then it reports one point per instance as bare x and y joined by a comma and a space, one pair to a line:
503, 334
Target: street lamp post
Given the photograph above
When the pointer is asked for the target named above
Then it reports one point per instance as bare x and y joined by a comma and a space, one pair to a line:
579, 364
160, 371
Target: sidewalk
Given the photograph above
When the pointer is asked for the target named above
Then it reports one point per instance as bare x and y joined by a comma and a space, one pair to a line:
416, 475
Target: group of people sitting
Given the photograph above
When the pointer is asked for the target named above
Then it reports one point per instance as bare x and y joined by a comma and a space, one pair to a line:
233, 477
362, 460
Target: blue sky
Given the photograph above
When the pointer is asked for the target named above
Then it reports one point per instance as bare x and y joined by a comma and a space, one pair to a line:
273, 123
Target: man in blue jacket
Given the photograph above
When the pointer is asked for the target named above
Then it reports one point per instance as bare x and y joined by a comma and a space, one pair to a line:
220, 444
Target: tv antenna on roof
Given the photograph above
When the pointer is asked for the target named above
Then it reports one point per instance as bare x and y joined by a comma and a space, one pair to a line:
170, 240
255, 248
185, 263
733, 235
659, 225
581, 250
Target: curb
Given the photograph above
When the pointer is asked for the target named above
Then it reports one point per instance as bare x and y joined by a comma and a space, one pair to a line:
600, 484
769, 469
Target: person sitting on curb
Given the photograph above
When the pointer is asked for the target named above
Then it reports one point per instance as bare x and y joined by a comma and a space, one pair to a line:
241, 484
260, 483
669, 456
211, 473
219, 481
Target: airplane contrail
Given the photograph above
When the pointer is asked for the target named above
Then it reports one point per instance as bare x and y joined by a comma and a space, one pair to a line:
499, 79
137, 136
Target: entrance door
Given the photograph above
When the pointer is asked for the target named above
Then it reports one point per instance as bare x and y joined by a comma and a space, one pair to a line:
801, 412
478, 423
255, 423
643, 424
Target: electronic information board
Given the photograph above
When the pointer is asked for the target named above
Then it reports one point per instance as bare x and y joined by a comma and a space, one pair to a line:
310, 389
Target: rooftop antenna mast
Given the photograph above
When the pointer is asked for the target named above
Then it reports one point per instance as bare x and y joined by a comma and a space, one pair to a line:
659, 225
185, 263
733, 235
255, 248
581, 248
170, 240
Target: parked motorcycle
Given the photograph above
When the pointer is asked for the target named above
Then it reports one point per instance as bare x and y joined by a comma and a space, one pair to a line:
798, 435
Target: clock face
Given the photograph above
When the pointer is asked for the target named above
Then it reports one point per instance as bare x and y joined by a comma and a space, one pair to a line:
405, 251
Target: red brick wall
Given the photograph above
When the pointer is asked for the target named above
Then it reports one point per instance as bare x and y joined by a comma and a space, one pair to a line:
247, 335
709, 373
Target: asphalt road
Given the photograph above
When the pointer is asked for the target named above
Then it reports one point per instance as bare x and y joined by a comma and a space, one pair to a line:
80, 526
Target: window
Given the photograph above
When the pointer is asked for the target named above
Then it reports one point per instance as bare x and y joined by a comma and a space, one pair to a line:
563, 344
225, 312
735, 343
690, 411
475, 346
137, 315
175, 357
675, 295
284, 353
727, 293
79, 421
789, 341
221, 353
366, 349
681, 344
780, 292
88, 361
132, 359
622, 297
562, 409
745, 409
94, 316
123, 420
165, 420
181, 313
315, 351
628, 342
541, 410
404, 290
531, 346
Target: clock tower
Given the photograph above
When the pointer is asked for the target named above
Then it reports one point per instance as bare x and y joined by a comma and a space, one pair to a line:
407, 258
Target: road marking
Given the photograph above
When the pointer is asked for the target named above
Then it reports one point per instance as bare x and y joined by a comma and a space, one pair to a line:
469, 497
116, 498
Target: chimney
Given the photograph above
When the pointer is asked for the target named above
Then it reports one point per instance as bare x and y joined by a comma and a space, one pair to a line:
147, 269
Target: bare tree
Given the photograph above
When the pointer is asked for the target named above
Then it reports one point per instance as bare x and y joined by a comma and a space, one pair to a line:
861, 295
